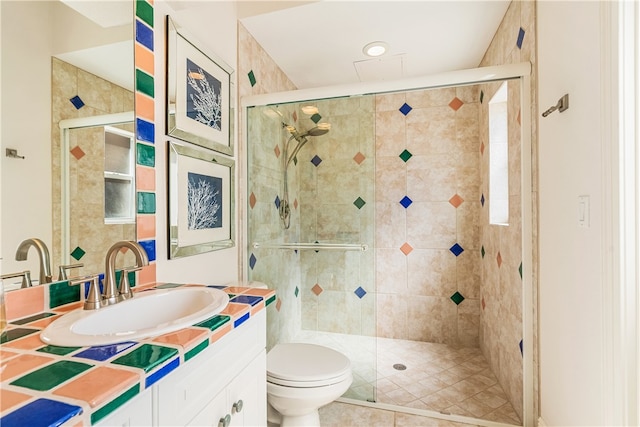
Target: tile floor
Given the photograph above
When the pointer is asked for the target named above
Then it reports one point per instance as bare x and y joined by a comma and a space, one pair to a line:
437, 377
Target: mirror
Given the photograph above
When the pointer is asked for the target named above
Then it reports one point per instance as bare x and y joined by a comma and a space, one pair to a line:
84, 53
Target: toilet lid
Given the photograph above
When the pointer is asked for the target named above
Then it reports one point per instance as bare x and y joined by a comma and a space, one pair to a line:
300, 362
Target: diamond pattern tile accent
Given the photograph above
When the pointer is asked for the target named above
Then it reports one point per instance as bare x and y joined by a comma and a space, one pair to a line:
295, 116
482, 252
520, 271
484, 304
252, 261
406, 155
482, 148
295, 203
359, 158
457, 298
519, 117
296, 292
252, 200
277, 202
406, 202
499, 259
277, 151
520, 345
252, 78
406, 248
77, 152
360, 292
456, 249
481, 96
520, 38
482, 200
456, 103
456, 200
278, 304
359, 203
77, 102
405, 109
78, 253
316, 118
316, 160
317, 289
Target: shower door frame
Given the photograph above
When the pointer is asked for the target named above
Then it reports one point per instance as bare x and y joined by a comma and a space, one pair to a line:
521, 71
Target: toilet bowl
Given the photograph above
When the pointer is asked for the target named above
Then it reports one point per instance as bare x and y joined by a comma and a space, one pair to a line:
301, 378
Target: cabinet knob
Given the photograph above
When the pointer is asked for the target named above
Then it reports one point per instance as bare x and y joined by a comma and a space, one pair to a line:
238, 406
225, 421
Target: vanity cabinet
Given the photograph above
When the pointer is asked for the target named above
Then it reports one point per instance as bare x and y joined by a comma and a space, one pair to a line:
225, 385
137, 412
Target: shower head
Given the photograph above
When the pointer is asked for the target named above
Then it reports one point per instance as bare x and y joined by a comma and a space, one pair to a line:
317, 131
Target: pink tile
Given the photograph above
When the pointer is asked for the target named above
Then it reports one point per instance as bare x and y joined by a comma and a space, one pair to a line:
9, 399
186, 338
68, 307
236, 290
258, 292
220, 332
19, 365
235, 310
43, 323
146, 226
98, 385
30, 342
147, 274
24, 302
145, 178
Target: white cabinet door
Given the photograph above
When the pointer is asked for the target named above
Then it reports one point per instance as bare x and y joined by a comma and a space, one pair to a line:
214, 413
247, 395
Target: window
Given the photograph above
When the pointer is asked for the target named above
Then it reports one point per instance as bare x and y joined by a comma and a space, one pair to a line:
119, 176
499, 158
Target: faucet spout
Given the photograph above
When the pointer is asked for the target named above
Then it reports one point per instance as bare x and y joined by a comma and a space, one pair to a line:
110, 290
43, 255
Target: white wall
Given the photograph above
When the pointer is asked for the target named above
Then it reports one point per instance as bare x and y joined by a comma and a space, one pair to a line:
26, 117
213, 28
571, 257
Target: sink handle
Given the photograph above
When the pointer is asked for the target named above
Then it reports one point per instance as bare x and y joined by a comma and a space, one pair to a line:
62, 270
26, 278
124, 290
94, 298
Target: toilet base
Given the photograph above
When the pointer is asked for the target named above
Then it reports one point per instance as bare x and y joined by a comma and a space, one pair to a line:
275, 419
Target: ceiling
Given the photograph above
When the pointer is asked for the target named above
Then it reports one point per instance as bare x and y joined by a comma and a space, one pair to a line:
320, 43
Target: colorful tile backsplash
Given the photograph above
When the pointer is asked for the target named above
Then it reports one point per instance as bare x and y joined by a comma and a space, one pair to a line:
86, 384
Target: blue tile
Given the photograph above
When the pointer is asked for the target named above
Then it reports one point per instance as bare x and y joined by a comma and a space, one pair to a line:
41, 412
520, 38
405, 109
240, 320
104, 352
144, 35
316, 160
150, 247
145, 131
406, 202
482, 200
247, 299
456, 249
217, 286
160, 373
277, 202
252, 261
360, 292
77, 102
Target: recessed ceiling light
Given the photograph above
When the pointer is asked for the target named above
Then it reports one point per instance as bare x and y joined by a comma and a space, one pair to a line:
375, 48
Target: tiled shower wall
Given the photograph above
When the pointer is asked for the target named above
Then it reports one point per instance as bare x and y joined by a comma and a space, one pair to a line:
259, 74
427, 209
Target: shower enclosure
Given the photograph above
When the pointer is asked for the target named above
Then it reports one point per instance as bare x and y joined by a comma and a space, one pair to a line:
389, 254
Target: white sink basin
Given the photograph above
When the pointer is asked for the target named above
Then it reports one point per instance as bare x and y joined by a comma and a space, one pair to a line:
148, 314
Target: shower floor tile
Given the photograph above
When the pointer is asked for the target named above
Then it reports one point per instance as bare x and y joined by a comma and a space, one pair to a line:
436, 377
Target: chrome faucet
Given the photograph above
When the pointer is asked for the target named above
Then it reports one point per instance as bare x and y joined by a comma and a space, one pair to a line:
43, 255
110, 289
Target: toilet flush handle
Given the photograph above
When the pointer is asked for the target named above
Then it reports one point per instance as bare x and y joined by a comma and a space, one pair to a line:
225, 421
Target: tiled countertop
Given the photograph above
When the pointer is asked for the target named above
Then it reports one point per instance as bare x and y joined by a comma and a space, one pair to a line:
45, 385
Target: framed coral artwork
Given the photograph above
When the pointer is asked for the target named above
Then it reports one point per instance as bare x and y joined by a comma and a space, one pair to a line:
199, 94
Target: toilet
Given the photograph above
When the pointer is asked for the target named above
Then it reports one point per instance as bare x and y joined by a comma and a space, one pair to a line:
301, 378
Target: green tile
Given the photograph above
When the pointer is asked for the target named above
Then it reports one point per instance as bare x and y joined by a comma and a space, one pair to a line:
146, 357
405, 155
169, 285
115, 404
14, 334
60, 351
61, 293
144, 83
520, 271
316, 118
296, 292
146, 203
131, 276
197, 349
145, 155
270, 300
78, 253
30, 319
252, 78
457, 298
482, 252
144, 11
214, 322
359, 203
52, 375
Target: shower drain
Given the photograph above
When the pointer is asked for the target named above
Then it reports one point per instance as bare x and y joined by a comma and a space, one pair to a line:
399, 367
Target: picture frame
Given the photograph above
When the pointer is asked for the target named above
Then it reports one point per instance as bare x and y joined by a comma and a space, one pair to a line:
201, 201
200, 94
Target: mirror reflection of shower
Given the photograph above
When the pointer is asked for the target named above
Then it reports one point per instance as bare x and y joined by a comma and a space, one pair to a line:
287, 157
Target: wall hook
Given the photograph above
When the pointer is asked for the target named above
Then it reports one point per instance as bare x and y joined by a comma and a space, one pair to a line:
563, 104
12, 152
